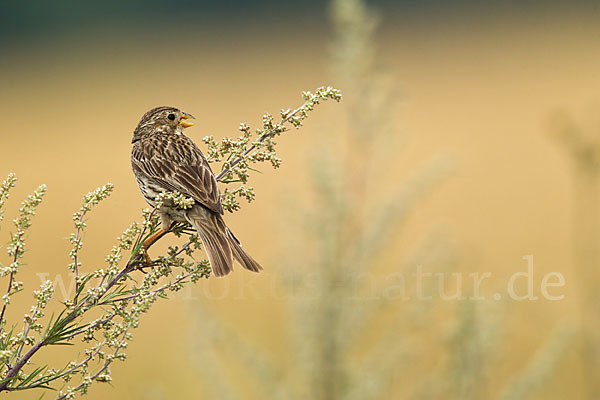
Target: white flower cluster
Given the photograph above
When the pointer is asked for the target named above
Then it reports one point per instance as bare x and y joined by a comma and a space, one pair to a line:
119, 299
239, 155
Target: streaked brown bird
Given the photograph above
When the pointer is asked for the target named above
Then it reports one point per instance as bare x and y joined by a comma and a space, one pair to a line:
164, 160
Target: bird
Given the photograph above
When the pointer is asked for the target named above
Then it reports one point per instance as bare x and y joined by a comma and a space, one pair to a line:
164, 159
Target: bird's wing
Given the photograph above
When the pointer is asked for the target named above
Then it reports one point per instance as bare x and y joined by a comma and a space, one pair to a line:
176, 163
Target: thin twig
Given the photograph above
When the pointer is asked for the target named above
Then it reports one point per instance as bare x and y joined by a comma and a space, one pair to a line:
160, 289
75, 259
101, 370
110, 317
26, 332
20, 363
61, 374
264, 136
69, 318
81, 364
12, 372
90, 326
10, 281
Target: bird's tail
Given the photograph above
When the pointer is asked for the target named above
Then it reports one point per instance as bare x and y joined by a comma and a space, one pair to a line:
240, 254
221, 246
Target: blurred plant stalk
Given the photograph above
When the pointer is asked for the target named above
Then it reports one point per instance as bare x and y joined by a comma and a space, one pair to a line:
348, 227
582, 148
352, 225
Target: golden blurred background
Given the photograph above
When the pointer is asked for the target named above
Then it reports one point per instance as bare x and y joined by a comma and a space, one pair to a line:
466, 140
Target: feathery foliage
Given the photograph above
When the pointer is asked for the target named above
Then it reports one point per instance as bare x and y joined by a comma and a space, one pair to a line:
581, 146
330, 264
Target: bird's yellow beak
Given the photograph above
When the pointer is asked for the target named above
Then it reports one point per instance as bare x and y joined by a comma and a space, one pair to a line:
185, 116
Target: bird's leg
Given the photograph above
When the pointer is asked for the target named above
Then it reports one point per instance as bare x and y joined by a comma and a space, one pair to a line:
147, 262
154, 238
144, 259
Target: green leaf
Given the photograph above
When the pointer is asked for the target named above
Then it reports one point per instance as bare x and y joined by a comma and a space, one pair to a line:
31, 376
84, 282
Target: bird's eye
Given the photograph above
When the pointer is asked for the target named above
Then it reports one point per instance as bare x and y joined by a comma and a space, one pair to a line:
171, 117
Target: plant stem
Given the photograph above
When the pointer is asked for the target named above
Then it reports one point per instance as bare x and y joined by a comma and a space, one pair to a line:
20, 363
69, 318
52, 378
101, 370
10, 281
75, 260
26, 332
264, 136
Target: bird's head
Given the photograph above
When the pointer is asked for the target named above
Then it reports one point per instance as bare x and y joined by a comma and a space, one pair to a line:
161, 120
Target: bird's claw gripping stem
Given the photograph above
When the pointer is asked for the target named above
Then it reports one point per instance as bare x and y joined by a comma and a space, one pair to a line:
144, 259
